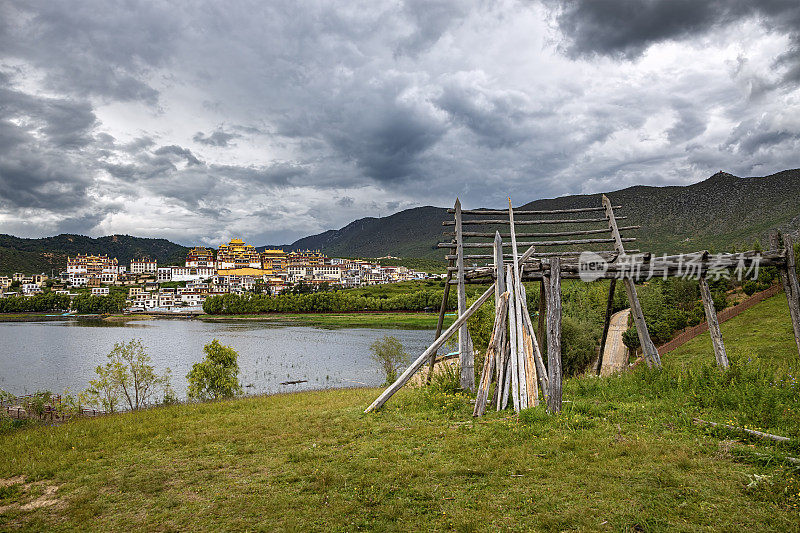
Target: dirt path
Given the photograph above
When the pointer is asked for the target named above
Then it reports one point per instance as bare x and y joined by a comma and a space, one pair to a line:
615, 355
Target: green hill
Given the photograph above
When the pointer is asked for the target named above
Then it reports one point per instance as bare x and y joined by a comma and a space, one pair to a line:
50, 253
717, 214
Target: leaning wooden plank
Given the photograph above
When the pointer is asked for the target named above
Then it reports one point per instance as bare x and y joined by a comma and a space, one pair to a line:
507, 379
753, 432
554, 337
713, 324
648, 347
491, 355
512, 333
538, 360
411, 370
793, 294
440, 321
517, 309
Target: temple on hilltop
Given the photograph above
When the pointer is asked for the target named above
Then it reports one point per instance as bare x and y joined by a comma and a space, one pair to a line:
200, 256
239, 259
275, 261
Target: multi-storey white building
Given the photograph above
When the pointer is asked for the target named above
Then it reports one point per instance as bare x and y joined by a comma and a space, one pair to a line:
144, 265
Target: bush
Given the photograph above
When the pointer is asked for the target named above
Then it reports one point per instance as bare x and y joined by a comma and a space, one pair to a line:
217, 376
389, 354
750, 287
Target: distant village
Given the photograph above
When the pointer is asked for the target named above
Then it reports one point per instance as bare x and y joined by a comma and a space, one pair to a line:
235, 268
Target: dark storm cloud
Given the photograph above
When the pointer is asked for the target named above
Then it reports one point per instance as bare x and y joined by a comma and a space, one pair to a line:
218, 138
626, 28
181, 153
86, 48
206, 120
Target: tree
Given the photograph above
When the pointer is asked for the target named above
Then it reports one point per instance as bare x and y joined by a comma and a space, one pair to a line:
128, 375
217, 376
389, 354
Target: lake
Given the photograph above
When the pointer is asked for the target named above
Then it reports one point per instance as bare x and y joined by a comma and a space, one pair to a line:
60, 355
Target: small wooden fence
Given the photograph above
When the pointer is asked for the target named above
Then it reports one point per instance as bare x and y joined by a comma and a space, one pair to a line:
51, 411
690, 333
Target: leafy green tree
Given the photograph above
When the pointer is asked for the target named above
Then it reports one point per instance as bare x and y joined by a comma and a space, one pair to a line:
127, 376
217, 376
388, 352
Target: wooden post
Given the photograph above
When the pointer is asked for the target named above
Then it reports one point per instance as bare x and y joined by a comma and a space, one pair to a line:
440, 322
499, 271
606, 323
792, 288
411, 370
713, 324
512, 333
554, 337
541, 330
648, 347
517, 309
466, 358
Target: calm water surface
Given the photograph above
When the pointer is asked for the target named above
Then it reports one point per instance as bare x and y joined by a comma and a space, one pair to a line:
62, 355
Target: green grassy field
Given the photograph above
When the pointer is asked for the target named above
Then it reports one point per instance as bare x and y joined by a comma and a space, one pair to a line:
623, 456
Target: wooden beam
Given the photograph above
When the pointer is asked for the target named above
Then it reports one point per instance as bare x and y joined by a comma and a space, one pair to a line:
538, 243
539, 212
554, 337
793, 292
531, 222
713, 324
512, 334
606, 323
540, 235
411, 370
466, 358
541, 328
522, 362
648, 347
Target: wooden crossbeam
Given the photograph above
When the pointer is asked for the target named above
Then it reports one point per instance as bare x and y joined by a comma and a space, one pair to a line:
540, 235
530, 222
523, 212
537, 243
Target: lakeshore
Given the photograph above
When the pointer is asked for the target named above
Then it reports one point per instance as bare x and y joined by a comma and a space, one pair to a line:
398, 319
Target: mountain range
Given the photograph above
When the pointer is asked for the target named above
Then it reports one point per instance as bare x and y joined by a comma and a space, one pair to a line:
719, 213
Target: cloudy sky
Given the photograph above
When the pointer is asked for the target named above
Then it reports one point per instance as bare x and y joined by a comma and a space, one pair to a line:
275, 120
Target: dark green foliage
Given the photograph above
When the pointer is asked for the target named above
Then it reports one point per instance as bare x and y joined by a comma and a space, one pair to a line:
217, 376
87, 304
48, 301
322, 302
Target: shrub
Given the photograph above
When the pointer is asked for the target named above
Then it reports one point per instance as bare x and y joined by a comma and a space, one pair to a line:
750, 287
217, 376
389, 354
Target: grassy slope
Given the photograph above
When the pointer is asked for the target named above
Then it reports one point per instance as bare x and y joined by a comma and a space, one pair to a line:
623, 456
